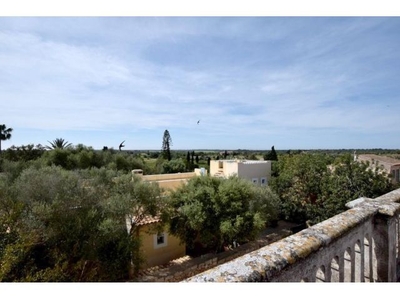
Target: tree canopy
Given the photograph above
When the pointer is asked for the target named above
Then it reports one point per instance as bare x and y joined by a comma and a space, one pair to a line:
210, 212
271, 155
314, 187
60, 225
5, 133
166, 144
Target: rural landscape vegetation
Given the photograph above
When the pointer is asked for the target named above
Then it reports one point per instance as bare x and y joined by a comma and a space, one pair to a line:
63, 206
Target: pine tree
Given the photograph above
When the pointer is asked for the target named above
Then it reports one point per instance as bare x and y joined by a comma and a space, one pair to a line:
5, 133
167, 142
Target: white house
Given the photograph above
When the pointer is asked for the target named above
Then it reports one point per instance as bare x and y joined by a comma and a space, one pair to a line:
257, 171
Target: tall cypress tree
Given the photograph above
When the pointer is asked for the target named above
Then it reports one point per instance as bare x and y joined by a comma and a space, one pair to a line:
167, 142
271, 155
188, 157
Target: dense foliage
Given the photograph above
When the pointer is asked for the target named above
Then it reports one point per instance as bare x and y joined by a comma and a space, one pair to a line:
64, 211
60, 225
210, 212
76, 158
271, 155
315, 186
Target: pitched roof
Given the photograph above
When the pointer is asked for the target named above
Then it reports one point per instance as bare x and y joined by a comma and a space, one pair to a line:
386, 159
149, 220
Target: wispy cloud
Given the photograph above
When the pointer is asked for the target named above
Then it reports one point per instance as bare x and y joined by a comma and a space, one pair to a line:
250, 80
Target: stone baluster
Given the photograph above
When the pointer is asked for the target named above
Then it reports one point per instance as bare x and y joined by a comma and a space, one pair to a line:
369, 266
341, 268
385, 248
328, 272
362, 262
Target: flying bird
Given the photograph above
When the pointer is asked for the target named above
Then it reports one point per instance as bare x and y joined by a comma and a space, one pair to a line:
198, 121
121, 145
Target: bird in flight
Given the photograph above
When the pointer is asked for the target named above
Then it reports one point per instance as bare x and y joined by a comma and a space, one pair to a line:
121, 145
198, 121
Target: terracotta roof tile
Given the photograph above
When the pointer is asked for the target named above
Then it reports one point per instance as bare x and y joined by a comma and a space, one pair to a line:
149, 220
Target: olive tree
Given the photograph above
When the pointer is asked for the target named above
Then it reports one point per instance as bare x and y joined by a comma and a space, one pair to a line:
211, 212
62, 225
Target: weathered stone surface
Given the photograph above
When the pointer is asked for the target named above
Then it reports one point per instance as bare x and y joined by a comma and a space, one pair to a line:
300, 256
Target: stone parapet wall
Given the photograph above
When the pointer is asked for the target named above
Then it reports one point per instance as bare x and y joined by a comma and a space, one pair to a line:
176, 272
360, 244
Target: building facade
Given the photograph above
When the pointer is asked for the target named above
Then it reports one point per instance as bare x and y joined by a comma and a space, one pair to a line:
171, 181
257, 171
388, 165
159, 248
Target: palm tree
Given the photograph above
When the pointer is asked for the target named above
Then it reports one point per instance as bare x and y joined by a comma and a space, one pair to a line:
59, 143
5, 133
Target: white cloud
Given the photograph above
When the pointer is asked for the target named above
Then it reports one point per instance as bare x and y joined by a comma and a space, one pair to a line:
273, 78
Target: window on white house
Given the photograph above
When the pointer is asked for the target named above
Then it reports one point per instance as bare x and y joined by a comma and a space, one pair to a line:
160, 240
255, 180
263, 180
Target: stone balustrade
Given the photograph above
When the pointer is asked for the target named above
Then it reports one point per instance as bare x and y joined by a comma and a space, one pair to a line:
359, 245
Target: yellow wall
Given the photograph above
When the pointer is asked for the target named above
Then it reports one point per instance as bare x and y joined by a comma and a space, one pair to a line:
174, 176
172, 181
158, 256
173, 249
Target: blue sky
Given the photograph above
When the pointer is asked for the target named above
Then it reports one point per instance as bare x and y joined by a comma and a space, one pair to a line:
253, 82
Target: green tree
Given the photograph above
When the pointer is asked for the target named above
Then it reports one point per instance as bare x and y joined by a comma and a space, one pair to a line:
59, 143
24, 152
60, 225
133, 200
299, 184
348, 180
271, 155
166, 144
173, 166
314, 187
50, 199
188, 163
188, 157
210, 212
5, 133
61, 157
